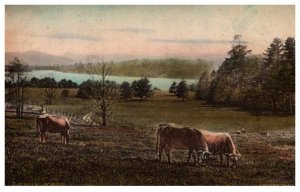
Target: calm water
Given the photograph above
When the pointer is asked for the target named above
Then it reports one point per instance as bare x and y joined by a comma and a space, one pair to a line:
160, 83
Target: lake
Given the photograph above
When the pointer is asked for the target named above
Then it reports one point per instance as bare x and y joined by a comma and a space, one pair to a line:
160, 83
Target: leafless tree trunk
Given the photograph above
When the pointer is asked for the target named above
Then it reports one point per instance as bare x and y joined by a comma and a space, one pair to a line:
50, 92
16, 74
103, 91
291, 103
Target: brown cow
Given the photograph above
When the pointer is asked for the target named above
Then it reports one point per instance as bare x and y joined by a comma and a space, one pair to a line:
220, 144
171, 136
53, 124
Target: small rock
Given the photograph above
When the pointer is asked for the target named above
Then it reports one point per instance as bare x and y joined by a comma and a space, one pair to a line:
265, 133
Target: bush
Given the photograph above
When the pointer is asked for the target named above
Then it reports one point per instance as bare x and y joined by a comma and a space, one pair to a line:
64, 93
85, 89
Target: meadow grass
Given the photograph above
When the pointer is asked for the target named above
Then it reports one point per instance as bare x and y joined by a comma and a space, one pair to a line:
166, 108
126, 156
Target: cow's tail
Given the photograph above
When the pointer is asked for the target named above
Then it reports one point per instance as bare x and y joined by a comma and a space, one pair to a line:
67, 129
230, 146
37, 125
157, 140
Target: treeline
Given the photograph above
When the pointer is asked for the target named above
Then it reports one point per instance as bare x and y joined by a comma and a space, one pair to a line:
45, 67
44, 82
261, 84
141, 89
170, 68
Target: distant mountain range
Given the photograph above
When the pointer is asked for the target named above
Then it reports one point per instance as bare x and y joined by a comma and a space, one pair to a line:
39, 58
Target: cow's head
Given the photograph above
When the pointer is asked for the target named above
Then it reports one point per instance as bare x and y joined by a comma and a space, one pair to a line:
234, 158
203, 156
162, 125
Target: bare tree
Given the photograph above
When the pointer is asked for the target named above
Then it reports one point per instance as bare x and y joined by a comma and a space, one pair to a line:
50, 86
15, 74
103, 91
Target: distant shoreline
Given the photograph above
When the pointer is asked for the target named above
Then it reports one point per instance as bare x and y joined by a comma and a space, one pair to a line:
160, 68
161, 83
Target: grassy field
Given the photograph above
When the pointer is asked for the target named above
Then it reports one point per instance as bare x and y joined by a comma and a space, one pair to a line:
126, 156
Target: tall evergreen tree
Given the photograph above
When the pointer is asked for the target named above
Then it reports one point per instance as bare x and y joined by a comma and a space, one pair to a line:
125, 91
272, 64
230, 74
203, 86
287, 75
182, 90
172, 89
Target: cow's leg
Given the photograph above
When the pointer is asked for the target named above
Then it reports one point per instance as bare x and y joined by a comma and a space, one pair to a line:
43, 137
195, 157
221, 160
161, 147
228, 160
189, 157
168, 152
68, 137
234, 160
205, 157
40, 137
63, 138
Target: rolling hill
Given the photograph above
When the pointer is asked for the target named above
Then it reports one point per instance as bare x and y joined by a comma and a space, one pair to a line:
38, 58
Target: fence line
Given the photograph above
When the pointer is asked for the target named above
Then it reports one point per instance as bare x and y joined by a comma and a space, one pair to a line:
77, 120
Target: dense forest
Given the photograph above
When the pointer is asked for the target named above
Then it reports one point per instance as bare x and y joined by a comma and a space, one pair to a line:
256, 83
170, 68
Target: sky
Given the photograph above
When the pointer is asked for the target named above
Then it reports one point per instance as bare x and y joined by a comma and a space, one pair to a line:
144, 31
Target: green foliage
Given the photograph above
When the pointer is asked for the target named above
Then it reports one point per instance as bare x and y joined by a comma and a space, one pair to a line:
85, 89
259, 84
34, 82
170, 68
65, 93
43, 83
230, 74
173, 87
278, 82
66, 84
48, 82
142, 88
203, 86
182, 90
125, 91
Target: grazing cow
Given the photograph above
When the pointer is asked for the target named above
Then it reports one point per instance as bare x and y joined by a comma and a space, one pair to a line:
171, 136
220, 144
53, 124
